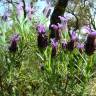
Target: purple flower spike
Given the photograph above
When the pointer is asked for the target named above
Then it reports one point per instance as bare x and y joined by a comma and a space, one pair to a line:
13, 47
73, 41
70, 45
41, 29
15, 37
20, 8
93, 34
73, 36
57, 31
20, 5
64, 44
42, 41
60, 26
54, 44
42, 38
63, 19
30, 11
90, 44
55, 27
88, 29
80, 47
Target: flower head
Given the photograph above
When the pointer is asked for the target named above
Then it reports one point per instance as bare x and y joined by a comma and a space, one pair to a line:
73, 41
54, 44
63, 20
90, 44
64, 44
80, 47
60, 25
20, 8
87, 27
15, 37
55, 27
57, 31
30, 11
41, 29
13, 46
73, 36
70, 45
42, 41
42, 38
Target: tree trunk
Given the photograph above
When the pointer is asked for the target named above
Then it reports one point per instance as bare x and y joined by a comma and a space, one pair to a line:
58, 11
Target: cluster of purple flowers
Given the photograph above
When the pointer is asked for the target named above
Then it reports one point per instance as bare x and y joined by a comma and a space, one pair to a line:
88, 47
42, 39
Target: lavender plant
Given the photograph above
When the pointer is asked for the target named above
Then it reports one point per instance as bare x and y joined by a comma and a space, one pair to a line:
33, 64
